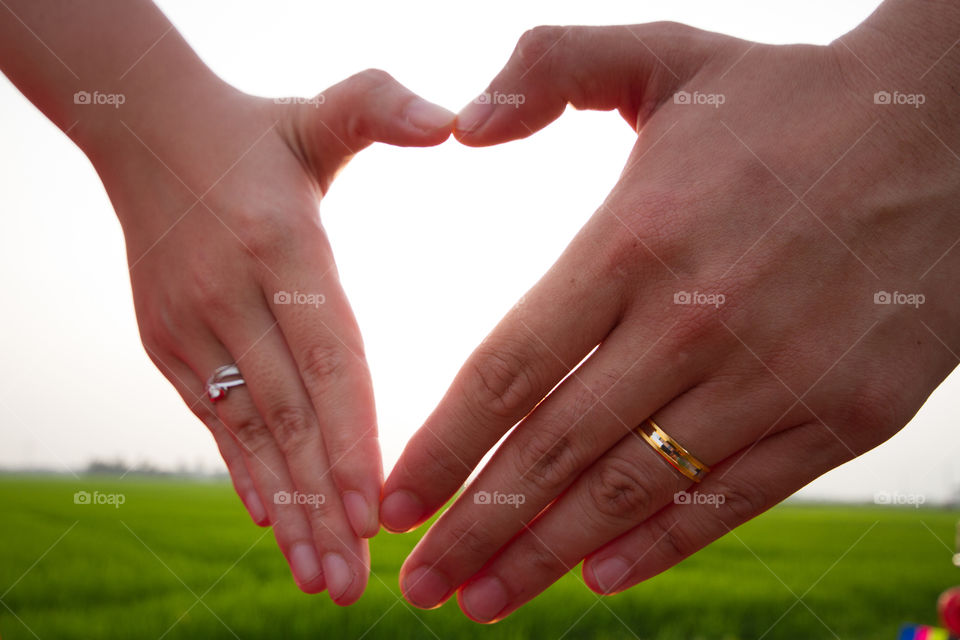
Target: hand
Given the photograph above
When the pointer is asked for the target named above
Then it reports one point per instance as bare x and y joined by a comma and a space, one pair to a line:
727, 285
217, 195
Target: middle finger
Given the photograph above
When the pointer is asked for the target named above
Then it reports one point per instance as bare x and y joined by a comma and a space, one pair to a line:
284, 419
568, 431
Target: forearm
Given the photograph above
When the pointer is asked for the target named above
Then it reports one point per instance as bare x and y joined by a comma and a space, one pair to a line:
117, 51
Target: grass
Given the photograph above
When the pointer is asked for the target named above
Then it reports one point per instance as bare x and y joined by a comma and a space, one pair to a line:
137, 571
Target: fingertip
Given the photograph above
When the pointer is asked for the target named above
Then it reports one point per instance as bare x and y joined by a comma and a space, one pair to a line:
256, 510
306, 568
362, 514
484, 600
606, 576
313, 587
472, 118
344, 585
424, 587
433, 122
401, 511
586, 572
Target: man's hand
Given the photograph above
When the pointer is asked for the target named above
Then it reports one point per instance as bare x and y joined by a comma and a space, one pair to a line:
731, 286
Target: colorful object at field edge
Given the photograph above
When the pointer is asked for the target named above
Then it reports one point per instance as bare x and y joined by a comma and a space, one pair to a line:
922, 632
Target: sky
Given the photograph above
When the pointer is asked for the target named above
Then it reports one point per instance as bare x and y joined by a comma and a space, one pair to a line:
431, 255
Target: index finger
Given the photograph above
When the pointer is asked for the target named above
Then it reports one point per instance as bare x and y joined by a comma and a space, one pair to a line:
539, 341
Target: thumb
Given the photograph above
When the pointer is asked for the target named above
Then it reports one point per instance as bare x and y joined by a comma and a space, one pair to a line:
632, 68
370, 106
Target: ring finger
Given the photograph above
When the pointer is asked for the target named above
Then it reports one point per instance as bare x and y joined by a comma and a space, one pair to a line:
190, 388
626, 486
284, 422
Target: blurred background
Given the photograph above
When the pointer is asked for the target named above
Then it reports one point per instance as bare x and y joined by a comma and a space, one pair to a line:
433, 245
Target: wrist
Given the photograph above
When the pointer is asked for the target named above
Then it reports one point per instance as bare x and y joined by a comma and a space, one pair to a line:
907, 41
108, 117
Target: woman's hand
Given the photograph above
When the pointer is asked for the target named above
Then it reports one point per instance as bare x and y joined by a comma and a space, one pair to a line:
230, 264
732, 285
217, 193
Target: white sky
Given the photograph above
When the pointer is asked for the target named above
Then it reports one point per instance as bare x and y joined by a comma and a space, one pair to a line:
433, 245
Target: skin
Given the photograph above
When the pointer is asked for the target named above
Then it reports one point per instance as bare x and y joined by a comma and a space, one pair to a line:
798, 199
217, 193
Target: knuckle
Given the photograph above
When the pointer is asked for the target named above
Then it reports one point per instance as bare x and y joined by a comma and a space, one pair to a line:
372, 78
469, 540
252, 432
322, 365
694, 325
206, 286
262, 234
156, 340
538, 559
646, 235
320, 513
272, 234
743, 501
501, 382
620, 491
537, 43
585, 406
670, 538
872, 408
291, 426
439, 462
547, 460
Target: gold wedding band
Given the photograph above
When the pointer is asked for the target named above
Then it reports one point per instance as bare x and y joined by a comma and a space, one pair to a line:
678, 457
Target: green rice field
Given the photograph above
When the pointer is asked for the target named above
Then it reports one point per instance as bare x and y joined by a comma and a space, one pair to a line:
181, 559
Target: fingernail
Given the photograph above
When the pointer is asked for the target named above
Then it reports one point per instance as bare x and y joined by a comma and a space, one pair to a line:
484, 599
427, 116
304, 563
475, 114
401, 511
610, 572
255, 507
338, 574
425, 588
358, 512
